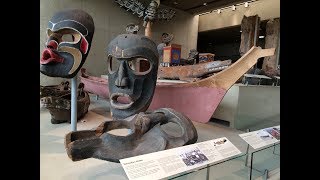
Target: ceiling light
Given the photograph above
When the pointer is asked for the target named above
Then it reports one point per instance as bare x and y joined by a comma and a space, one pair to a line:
175, 3
261, 37
233, 7
240, 30
204, 13
219, 11
246, 4
205, 4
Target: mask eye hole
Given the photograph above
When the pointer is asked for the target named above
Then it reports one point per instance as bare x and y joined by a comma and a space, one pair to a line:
140, 66
113, 64
67, 38
49, 32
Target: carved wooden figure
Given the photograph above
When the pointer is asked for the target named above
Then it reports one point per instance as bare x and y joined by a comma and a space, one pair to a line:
69, 40
135, 85
69, 34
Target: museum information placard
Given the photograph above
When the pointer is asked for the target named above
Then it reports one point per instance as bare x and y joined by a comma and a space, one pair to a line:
163, 164
263, 137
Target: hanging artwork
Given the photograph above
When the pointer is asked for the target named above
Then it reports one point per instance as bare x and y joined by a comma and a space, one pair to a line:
147, 11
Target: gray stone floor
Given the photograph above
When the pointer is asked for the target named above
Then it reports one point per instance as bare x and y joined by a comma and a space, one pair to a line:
56, 165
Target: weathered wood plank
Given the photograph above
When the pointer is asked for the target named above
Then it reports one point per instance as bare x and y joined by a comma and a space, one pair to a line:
249, 33
269, 65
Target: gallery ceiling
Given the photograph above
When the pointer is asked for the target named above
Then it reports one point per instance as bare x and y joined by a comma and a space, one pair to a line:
199, 6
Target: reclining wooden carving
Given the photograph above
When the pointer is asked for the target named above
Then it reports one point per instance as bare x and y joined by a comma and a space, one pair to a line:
190, 72
147, 136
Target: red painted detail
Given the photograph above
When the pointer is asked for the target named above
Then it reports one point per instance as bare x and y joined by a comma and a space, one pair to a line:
84, 46
49, 56
52, 44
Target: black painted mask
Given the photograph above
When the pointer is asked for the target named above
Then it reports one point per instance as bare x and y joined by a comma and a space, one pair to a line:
133, 67
69, 40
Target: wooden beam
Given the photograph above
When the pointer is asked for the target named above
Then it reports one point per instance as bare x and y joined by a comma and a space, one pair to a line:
147, 30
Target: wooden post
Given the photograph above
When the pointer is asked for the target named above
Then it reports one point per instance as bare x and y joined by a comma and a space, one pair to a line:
250, 31
269, 65
147, 30
249, 35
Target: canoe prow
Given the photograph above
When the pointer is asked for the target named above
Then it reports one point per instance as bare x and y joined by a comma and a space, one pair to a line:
198, 100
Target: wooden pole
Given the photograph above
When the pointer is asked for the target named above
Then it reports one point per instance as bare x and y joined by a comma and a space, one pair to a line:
256, 34
147, 30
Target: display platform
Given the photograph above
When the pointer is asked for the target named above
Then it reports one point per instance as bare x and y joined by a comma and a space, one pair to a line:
248, 106
56, 165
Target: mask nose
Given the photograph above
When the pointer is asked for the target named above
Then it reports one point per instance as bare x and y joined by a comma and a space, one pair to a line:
52, 44
122, 80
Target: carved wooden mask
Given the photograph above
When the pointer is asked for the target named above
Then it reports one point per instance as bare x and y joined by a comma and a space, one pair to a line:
69, 40
133, 67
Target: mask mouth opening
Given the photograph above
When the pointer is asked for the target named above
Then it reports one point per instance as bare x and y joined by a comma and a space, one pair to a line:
121, 101
49, 56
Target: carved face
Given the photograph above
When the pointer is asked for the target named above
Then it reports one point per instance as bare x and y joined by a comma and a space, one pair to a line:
69, 40
166, 38
132, 66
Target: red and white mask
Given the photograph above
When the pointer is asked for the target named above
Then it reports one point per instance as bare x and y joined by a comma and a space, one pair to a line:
69, 40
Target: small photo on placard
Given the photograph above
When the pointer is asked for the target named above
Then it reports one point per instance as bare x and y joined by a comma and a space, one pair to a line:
277, 129
274, 132
222, 141
193, 156
264, 135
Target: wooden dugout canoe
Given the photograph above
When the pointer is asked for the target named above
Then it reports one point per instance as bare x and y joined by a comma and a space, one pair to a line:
198, 100
94, 85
